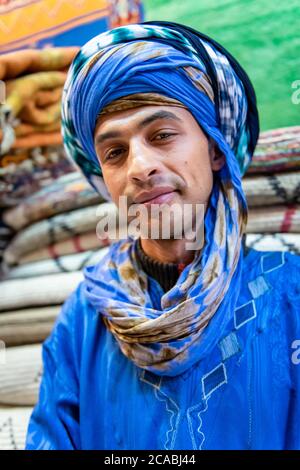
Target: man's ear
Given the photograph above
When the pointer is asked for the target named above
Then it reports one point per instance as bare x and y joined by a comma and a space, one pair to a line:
217, 159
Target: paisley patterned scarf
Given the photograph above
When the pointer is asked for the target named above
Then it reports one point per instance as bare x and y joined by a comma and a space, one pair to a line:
184, 65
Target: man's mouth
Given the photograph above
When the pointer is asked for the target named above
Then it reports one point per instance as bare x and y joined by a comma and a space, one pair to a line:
156, 196
161, 199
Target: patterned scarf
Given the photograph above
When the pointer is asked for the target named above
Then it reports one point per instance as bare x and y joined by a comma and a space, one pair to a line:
181, 64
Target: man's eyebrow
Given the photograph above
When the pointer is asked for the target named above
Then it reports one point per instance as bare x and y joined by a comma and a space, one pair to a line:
158, 115
145, 122
105, 136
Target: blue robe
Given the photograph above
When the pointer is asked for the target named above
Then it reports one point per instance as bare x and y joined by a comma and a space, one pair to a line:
244, 395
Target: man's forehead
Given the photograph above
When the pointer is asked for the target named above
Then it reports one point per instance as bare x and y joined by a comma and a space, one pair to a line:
142, 115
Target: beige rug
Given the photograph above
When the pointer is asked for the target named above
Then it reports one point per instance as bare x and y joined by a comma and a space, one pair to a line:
68, 263
20, 373
27, 326
274, 219
66, 193
274, 242
281, 188
57, 228
75, 244
13, 427
52, 289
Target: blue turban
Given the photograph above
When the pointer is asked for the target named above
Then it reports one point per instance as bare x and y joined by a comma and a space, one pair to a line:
165, 58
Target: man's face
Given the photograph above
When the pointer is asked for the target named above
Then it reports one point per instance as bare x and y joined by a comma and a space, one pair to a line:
155, 148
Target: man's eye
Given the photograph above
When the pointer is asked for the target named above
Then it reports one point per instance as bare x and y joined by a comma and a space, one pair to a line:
113, 154
163, 136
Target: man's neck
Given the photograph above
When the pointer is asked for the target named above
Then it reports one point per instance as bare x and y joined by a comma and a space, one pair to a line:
166, 273
167, 251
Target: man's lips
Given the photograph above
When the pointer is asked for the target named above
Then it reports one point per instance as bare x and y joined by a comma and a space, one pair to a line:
163, 198
156, 196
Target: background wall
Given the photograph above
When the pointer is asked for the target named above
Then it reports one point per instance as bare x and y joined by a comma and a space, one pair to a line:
264, 35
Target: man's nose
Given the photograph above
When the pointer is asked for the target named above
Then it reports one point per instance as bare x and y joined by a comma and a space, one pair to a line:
143, 162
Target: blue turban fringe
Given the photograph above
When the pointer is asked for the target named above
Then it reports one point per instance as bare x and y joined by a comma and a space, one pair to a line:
172, 60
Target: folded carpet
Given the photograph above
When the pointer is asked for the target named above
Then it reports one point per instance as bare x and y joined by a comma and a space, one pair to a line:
66, 193
52, 289
273, 219
28, 325
13, 427
273, 189
62, 264
57, 228
75, 244
21, 375
274, 242
277, 150
25, 171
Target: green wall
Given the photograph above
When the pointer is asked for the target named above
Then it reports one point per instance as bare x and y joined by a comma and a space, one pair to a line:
263, 35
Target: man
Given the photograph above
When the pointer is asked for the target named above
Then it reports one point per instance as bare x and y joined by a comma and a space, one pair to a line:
163, 347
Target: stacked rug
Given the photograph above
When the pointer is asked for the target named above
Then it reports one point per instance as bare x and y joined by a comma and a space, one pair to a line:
54, 238
48, 234
31, 150
272, 187
30, 114
13, 427
20, 372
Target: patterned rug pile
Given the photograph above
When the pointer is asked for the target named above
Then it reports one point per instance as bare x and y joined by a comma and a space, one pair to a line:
272, 187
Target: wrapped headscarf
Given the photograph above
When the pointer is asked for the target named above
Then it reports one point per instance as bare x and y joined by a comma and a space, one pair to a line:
187, 67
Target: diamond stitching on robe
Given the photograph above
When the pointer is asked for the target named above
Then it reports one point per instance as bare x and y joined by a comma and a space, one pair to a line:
273, 261
151, 379
229, 346
258, 287
244, 313
213, 380
173, 409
